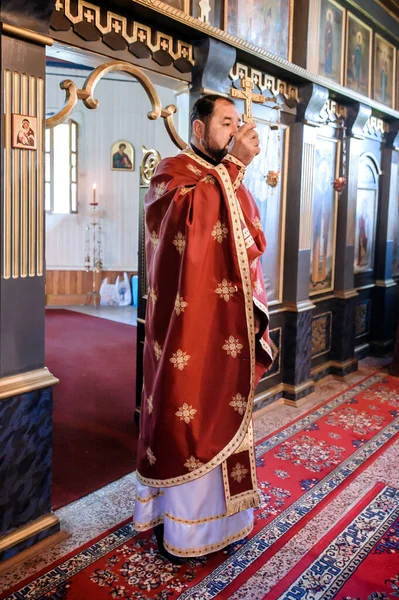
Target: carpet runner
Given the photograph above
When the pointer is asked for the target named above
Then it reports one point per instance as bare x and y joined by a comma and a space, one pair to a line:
94, 435
358, 559
301, 467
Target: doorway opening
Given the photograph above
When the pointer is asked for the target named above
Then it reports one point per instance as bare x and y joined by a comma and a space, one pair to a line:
92, 191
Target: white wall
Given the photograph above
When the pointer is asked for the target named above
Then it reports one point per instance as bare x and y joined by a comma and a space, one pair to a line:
123, 106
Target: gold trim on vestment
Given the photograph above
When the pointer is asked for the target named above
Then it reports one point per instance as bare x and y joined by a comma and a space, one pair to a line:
249, 498
245, 444
149, 498
266, 347
212, 547
148, 525
194, 521
262, 307
241, 173
243, 262
236, 161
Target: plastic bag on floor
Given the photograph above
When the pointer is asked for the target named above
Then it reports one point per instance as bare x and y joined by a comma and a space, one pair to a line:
116, 294
123, 292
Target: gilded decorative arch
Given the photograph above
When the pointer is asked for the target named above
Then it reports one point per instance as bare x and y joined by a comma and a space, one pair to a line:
73, 94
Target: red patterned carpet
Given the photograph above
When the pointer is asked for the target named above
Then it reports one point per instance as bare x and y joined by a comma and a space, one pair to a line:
94, 436
357, 559
301, 467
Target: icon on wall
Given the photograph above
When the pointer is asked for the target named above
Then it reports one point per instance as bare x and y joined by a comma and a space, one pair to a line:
358, 56
122, 156
331, 35
384, 71
24, 132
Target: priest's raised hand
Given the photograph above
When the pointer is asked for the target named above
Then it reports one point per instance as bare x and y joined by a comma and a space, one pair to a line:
246, 143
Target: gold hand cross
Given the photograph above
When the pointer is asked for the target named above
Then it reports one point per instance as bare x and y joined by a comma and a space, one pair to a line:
248, 96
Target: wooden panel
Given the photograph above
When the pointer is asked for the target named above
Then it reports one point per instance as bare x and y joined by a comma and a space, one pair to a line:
71, 287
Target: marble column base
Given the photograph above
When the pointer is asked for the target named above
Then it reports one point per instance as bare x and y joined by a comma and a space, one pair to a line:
25, 471
297, 354
343, 331
383, 319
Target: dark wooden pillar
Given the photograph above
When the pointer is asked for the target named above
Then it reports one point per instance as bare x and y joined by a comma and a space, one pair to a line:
213, 63
25, 383
299, 308
344, 308
383, 316
395, 365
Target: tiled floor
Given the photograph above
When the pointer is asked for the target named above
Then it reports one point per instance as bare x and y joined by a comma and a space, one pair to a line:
121, 314
90, 516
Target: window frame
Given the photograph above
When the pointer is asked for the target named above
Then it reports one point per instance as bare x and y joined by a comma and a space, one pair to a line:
49, 179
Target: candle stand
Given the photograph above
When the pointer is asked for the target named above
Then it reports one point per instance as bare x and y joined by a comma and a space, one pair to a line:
93, 260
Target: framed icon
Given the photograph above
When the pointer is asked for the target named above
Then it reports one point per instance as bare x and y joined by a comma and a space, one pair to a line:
122, 156
24, 132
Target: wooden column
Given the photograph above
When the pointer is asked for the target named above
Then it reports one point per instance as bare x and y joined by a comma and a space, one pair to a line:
299, 308
25, 383
344, 308
395, 365
382, 324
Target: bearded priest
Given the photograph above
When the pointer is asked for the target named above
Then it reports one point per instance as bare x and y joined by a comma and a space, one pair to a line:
207, 342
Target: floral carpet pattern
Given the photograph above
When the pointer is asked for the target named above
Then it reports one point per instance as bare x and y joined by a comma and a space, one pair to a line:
357, 560
301, 467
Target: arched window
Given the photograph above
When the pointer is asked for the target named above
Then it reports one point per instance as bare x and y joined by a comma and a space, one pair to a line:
366, 213
61, 179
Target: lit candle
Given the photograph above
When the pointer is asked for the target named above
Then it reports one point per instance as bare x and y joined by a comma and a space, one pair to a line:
94, 193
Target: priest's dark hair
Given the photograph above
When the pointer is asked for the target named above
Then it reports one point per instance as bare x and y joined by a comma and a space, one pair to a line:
203, 107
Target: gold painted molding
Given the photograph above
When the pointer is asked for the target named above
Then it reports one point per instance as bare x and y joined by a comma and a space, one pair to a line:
335, 364
341, 365
277, 311
73, 94
259, 398
296, 389
26, 382
323, 299
346, 294
26, 34
362, 347
210, 91
28, 531
385, 283
320, 368
298, 307
32, 551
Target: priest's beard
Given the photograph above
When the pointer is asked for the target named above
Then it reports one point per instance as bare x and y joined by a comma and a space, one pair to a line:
210, 147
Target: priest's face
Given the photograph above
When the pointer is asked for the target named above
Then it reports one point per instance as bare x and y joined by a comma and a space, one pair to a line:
220, 129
